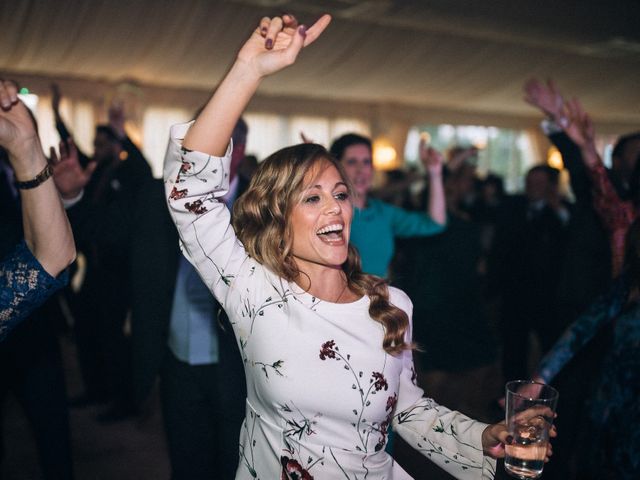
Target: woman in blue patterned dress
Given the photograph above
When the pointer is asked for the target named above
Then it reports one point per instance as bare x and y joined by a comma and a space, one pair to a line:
32, 271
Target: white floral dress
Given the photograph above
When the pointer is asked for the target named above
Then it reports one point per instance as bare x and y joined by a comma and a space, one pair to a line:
321, 391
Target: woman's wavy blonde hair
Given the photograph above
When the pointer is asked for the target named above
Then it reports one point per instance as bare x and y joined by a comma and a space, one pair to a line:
261, 221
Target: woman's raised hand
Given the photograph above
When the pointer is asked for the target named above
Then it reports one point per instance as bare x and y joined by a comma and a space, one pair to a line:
17, 130
580, 129
547, 98
69, 176
276, 42
273, 45
431, 159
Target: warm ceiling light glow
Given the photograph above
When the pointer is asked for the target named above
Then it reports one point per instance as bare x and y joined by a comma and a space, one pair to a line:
554, 158
133, 132
384, 155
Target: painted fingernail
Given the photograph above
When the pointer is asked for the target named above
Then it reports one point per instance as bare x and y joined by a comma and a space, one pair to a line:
263, 30
509, 440
302, 30
269, 44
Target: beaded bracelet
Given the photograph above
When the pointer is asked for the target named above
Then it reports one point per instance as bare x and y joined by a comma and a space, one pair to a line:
37, 180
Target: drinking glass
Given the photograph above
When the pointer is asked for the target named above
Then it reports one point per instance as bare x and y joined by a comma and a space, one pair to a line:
530, 408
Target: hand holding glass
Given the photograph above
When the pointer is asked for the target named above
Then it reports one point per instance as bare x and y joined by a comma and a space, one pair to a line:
529, 421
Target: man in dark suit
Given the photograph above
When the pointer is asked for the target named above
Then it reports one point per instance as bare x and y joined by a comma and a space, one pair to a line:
101, 306
177, 336
529, 247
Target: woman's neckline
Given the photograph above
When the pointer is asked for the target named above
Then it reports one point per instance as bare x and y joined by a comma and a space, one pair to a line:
300, 292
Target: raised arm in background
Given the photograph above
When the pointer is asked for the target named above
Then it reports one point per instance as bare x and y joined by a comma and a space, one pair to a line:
46, 229
61, 127
433, 161
549, 101
616, 214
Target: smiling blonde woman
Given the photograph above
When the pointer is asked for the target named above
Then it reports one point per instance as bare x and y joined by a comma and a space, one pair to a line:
326, 348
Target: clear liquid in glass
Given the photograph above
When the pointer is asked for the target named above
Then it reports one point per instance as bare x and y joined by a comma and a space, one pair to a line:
525, 455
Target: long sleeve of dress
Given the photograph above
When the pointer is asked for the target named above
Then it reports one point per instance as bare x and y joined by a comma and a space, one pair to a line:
616, 215
448, 438
24, 286
606, 308
193, 182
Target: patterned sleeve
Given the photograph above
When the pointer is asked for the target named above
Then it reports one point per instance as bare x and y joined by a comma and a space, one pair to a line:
448, 438
193, 182
24, 286
412, 224
617, 215
605, 200
580, 332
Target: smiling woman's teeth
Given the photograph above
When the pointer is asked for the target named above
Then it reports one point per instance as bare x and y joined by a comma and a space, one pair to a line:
330, 233
330, 229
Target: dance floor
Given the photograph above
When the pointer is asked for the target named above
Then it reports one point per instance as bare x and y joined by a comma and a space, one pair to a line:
129, 450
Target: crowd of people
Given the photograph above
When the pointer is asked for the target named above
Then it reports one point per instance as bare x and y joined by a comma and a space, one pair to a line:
294, 320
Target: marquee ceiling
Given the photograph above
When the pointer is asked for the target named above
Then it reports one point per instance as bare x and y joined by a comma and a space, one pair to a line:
459, 55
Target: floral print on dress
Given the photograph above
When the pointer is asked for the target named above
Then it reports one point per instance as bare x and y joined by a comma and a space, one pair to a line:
377, 383
292, 470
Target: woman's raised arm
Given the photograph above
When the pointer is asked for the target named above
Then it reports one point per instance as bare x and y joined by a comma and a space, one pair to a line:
273, 46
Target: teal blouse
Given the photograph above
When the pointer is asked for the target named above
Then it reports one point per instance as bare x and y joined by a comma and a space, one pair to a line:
375, 228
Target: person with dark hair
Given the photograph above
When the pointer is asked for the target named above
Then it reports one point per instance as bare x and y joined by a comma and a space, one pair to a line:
327, 348
625, 157
340, 145
115, 173
617, 212
376, 224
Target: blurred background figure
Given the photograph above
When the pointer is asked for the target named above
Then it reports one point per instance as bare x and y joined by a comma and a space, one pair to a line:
101, 305
183, 338
377, 224
529, 247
